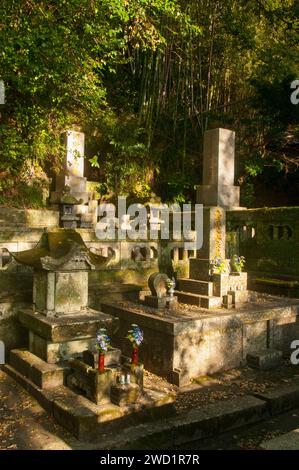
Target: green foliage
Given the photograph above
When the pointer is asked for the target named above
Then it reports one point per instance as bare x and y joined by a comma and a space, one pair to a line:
144, 79
237, 263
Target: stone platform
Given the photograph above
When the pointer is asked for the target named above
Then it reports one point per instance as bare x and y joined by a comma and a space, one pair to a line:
191, 342
80, 416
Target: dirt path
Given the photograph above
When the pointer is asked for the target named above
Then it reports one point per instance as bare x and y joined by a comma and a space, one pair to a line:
24, 424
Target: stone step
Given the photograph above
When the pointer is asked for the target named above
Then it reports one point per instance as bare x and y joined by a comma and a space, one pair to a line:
195, 287
203, 301
200, 269
264, 359
41, 373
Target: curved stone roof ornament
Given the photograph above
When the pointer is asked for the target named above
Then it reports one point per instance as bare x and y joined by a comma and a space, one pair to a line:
60, 250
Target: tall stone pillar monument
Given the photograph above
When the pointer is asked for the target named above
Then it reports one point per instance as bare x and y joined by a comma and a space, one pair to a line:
211, 283
72, 174
219, 170
72, 182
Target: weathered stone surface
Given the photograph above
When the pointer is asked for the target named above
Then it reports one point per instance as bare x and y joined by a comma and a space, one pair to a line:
197, 424
255, 337
228, 301
71, 292
42, 374
218, 170
224, 283
124, 394
76, 415
66, 328
213, 234
179, 347
112, 357
266, 359
239, 297
158, 284
200, 269
61, 262
218, 195
28, 217
281, 399
94, 385
195, 287
287, 441
203, 301
86, 420
271, 260
155, 302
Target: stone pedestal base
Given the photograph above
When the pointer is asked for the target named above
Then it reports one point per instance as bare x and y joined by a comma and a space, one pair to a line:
155, 302
172, 303
228, 283
112, 357
94, 385
55, 339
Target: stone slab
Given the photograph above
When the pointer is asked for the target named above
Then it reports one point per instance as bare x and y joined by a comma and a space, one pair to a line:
89, 382
265, 359
56, 352
219, 157
65, 328
195, 287
197, 424
155, 302
112, 357
288, 441
33, 218
42, 374
281, 399
124, 394
203, 301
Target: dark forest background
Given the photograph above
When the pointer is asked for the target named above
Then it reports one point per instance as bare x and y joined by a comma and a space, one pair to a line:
144, 79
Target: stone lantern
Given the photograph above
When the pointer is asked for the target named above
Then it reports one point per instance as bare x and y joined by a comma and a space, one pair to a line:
61, 262
67, 203
61, 324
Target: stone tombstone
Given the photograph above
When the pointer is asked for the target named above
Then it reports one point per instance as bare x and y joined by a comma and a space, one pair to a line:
158, 284
219, 170
75, 153
2, 92
2, 353
72, 175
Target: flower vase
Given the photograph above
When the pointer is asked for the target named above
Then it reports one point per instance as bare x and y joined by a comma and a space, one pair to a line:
135, 356
101, 363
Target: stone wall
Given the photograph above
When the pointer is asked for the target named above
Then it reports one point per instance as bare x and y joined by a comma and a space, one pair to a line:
131, 263
269, 240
